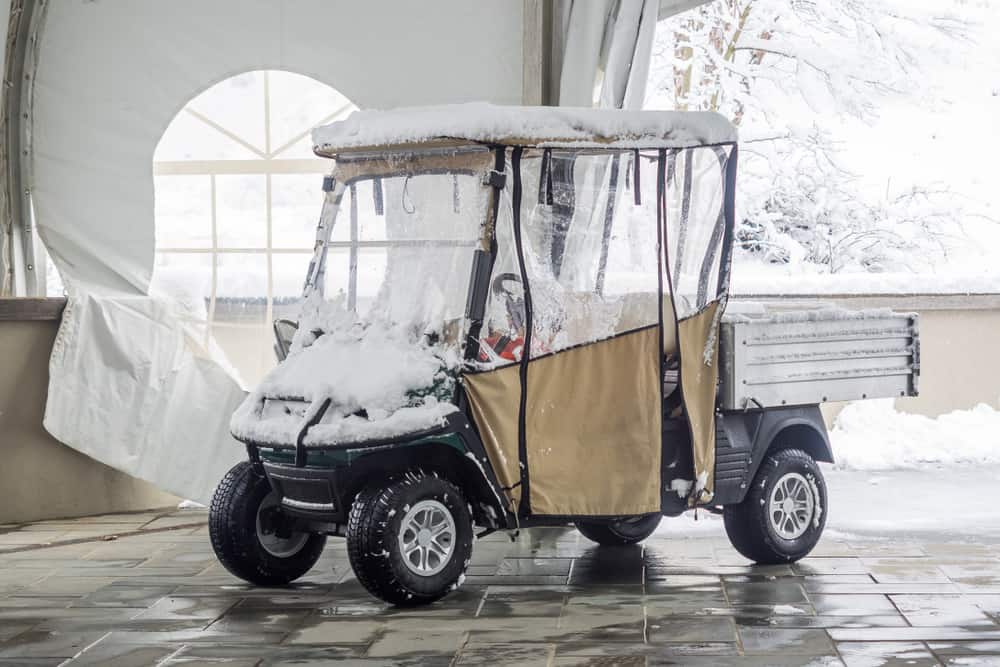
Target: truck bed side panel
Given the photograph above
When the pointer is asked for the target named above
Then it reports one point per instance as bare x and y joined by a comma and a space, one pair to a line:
816, 357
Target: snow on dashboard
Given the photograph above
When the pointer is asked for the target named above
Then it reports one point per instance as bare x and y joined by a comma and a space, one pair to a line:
381, 379
490, 123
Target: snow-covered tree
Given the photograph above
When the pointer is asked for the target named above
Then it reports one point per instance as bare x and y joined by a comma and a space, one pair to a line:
785, 71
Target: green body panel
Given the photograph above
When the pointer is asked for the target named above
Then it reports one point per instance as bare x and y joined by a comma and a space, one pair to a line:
344, 457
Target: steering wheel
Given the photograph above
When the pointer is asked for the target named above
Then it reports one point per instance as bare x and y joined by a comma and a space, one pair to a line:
509, 345
508, 286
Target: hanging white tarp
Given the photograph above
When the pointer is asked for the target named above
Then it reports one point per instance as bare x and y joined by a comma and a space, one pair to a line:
131, 386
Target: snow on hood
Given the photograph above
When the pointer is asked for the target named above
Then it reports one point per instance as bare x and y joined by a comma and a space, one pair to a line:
382, 380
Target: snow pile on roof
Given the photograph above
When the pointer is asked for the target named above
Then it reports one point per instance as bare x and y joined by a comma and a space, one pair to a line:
873, 435
382, 380
554, 126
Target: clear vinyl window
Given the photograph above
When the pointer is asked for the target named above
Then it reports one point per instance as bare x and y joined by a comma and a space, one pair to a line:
401, 249
695, 189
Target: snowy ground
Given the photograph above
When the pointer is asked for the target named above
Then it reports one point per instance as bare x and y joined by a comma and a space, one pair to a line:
872, 435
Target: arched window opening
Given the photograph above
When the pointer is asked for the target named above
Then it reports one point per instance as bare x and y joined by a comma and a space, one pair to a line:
237, 200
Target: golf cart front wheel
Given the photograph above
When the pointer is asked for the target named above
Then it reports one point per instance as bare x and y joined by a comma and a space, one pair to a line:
410, 540
251, 537
620, 532
783, 515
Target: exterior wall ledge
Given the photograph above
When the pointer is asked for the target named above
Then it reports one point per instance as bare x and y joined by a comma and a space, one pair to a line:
908, 301
31, 309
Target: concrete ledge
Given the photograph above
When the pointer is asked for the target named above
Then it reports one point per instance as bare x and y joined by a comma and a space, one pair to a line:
30, 309
41, 478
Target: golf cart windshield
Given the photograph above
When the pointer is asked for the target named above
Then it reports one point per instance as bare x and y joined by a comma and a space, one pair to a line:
397, 241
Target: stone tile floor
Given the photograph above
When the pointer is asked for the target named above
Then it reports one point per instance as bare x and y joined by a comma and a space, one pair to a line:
145, 589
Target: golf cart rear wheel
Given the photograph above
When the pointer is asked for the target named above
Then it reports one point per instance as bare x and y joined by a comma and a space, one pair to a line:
410, 540
784, 512
620, 532
250, 536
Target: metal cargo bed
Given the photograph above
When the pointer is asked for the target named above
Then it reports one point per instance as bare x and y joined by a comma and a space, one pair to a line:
816, 356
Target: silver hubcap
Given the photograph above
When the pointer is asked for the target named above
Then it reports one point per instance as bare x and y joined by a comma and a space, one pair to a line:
427, 537
791, 506
279, 547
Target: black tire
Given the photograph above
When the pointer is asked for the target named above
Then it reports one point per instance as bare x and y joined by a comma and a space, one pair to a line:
373, 539
620, 532
232, 527
749, 525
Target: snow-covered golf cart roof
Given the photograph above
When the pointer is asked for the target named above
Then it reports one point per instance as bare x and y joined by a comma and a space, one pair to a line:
520, 278
550, 127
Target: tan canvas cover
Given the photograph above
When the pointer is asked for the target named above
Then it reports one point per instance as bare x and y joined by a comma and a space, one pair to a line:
592, 426
495, 398
699, 376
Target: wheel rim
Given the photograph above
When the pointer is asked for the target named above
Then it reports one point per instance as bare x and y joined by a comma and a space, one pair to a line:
427, 537
279, 547
791, 506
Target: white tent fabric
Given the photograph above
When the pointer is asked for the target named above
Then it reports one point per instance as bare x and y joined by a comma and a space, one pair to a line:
113, 74
129, 385
606, 53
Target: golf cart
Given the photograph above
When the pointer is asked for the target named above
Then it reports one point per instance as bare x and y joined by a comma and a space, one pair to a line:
513, 318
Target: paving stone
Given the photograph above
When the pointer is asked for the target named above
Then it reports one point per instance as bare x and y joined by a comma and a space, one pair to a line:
810, 566
535, 566
47, 644
690, 629
965, 648
238, 620
66, 584
901, 588
938, 610
806, 621
192, 636
506, 653
125, 595
336, 632
432, 640
688, 602
622, 660
852, 605
11, 630
916, 634
236, 653
107, 654
500, 602
785, 641
886, 654
772, 592
177, 607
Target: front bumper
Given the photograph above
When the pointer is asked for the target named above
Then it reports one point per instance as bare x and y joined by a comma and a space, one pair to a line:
311, 493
